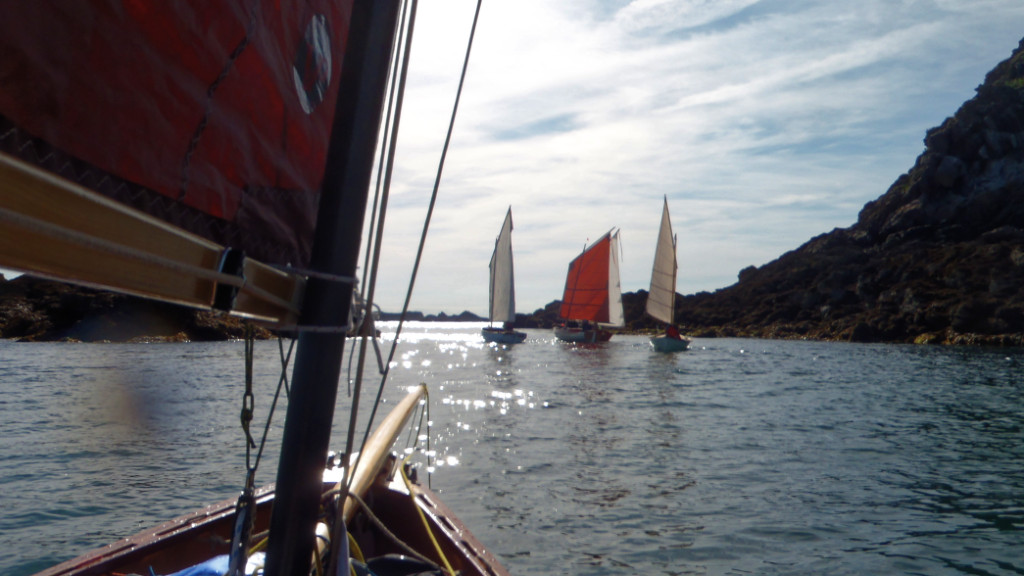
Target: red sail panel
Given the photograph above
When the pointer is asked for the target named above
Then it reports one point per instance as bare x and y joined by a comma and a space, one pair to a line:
213, 116
586, 285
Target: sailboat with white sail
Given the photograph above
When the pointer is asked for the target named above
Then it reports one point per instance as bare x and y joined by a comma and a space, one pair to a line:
592, 299
661, 300
219, 155
502, 289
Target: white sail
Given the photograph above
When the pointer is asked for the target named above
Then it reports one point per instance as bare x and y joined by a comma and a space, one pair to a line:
615, 315
661, 300
502, 286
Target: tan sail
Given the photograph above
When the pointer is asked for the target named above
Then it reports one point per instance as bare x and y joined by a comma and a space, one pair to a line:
662, 298
503, 289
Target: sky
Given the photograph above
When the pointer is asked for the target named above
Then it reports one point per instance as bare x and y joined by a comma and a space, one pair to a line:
764, 123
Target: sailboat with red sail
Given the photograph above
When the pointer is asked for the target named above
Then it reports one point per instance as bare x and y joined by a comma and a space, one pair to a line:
592, 299
219, 155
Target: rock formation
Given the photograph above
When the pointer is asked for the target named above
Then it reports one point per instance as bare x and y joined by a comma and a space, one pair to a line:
938, 258
32, 309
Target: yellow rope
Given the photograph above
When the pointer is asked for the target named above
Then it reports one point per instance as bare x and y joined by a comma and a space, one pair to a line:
262, 544
354, 552
426, 525
353, 548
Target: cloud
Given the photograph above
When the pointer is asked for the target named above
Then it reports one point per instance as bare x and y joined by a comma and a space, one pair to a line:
649, 17
764, 122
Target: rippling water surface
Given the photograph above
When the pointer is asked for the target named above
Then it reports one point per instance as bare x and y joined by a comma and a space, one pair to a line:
736, 457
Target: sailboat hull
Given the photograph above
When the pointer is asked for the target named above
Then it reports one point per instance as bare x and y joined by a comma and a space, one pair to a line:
200, 536
582, 336
502, 336
666, 344
196, 537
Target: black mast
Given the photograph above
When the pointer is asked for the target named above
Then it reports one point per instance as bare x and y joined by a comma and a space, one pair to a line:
336, 243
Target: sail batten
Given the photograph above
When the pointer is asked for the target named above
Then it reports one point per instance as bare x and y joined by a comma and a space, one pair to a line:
661, 299
100, 243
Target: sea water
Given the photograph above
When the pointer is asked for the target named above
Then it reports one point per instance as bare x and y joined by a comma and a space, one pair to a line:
735, 457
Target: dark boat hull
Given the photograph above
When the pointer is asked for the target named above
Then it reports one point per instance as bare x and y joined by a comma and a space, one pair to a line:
502, 336
206, 533
581, 335
666, 344
406, 508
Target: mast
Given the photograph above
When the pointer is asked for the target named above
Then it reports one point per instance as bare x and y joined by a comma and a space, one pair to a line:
335, 251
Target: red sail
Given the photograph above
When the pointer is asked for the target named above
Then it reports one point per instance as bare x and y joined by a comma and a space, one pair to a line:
213, 116
586, 285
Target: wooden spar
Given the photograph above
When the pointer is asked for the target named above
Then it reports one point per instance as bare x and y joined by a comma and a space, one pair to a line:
52, 227
336, 243
378, 447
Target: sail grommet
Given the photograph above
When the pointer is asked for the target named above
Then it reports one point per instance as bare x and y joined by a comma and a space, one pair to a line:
232, 262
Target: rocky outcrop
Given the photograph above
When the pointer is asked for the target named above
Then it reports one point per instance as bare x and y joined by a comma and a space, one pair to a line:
464, 316
938, 258
41, 310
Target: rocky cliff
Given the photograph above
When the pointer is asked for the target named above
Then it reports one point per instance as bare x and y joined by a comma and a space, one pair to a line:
41, 310
938, 258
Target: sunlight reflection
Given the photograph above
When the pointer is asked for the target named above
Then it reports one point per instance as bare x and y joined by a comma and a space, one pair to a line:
474, 384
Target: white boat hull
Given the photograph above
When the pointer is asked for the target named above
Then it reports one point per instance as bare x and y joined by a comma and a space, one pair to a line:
666, 344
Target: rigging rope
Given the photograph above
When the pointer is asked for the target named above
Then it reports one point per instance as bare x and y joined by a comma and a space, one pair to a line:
248, 400
385, 172
426, 225
245, 507
282, 383
388, 138
397, 96
426, 525
375, 235
391, 535
368, 512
